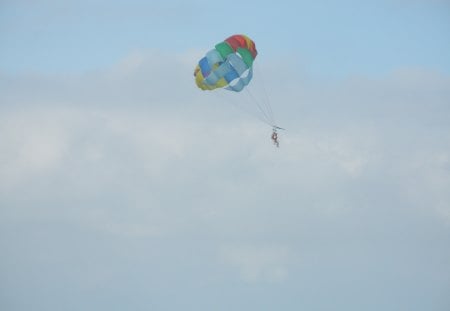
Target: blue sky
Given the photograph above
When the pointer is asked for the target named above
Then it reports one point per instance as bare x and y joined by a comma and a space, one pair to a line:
328, 37
124, 187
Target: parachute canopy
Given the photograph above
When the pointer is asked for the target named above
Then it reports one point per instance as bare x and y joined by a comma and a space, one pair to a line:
229, 65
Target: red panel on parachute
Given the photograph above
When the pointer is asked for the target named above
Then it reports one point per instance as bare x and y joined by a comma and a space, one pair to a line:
241, 41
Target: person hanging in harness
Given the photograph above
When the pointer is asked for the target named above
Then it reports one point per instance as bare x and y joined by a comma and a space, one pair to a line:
275, 138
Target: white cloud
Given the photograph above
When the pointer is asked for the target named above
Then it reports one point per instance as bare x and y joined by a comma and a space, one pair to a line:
257, 263
145, 118
135, 155
31, 144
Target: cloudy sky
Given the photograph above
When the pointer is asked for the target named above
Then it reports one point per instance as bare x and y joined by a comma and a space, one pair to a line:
124, 187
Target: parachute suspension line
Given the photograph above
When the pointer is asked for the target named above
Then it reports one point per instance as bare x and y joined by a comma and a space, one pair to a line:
260, 107
226, 100
251, 102
266, 94
248, 107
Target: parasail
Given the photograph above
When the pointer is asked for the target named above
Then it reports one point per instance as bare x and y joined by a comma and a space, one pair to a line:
229, 66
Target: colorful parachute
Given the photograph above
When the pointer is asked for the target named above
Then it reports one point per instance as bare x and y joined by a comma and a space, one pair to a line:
229, 65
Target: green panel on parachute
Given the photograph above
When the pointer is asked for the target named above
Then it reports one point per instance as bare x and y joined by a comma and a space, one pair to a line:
224, 49
246, 56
